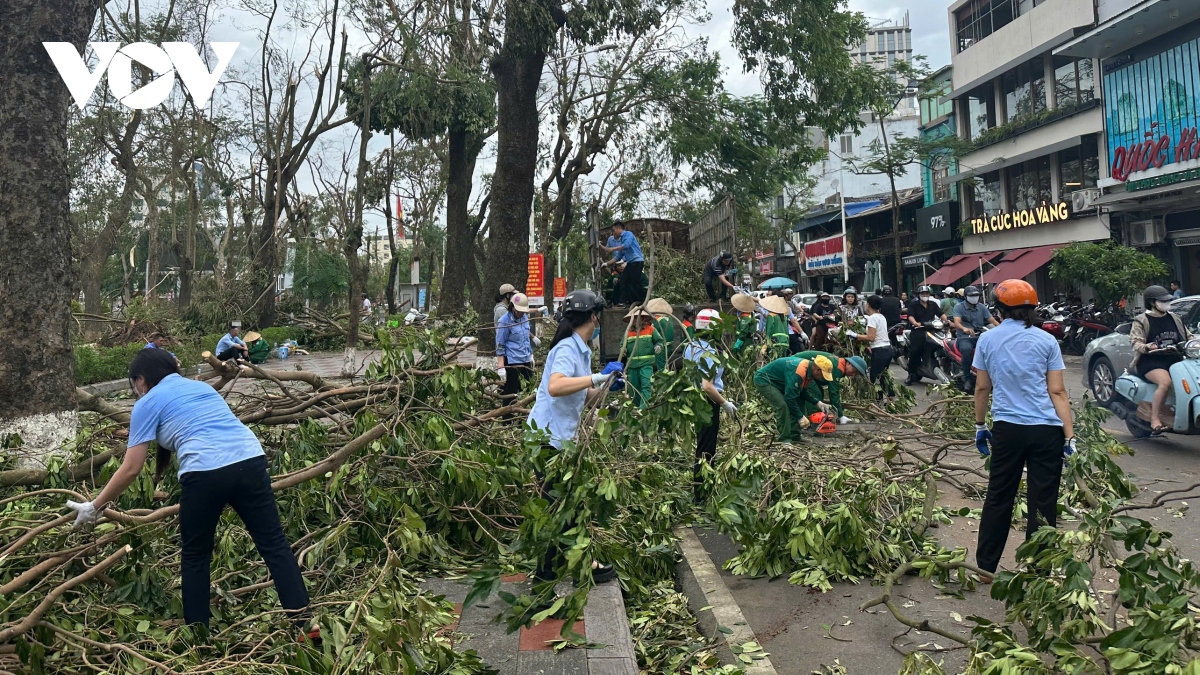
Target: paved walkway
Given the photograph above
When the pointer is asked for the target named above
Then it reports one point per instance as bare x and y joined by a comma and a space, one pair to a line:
530, 651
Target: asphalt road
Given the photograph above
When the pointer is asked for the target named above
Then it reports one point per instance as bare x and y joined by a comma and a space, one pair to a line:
803, 630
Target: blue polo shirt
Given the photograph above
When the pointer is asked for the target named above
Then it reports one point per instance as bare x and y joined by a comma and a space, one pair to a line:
701, 353
972, 317
192, 419
560, 414
227, 342
618, 254
630, 251
1017, 359
512, 339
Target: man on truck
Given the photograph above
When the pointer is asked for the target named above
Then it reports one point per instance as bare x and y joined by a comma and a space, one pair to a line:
717, 269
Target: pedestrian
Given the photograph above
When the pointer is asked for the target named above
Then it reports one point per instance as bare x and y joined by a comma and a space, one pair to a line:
688, 322
971, 317
779, 384
702, 352
821, 311
502, 302
949, 300
776, 328
664, 325
231, 346
642, 345
850, 309
921, 312
221, 463
1154, 336
632, 290
1020, 370
366, 305
568, 383
820, 383
1176, 289
880, 344
515, 343
747, 323
715, 276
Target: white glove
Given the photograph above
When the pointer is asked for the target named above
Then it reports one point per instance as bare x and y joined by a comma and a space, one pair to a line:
825, 407
729, 408
833, 332
537, 341
844, 420
87, 512
657, 349
599, 379
852, 335
503, 374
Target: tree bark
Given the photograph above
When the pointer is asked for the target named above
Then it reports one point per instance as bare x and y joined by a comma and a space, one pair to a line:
354, 234
462, 151
895, 207
37, 374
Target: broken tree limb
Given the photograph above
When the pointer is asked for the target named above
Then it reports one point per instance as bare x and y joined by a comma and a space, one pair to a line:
31, 619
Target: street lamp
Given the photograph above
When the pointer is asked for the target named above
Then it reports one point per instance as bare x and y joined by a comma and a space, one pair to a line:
837, 185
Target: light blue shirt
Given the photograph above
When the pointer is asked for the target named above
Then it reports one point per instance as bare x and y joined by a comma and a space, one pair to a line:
973, 318
192, 419
1017, 359
631, 250
512, 339
701, 353
227, 342
560, 414
618, 254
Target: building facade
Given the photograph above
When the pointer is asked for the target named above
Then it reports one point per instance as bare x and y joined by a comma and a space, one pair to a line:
886, 43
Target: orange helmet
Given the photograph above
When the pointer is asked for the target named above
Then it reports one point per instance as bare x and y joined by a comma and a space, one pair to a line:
1016, 293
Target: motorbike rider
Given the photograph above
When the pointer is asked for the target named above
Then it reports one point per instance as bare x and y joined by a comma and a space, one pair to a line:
850, 309
1157, 329
891, 307
921, 312
821, 309
949, 300
970, 317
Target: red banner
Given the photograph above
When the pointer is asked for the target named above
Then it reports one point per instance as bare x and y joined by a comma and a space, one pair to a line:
535, 287
560, 288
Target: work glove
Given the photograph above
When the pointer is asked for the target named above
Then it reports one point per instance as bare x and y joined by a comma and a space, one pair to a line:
657, 349
613, 367
844, 420
618, 383
729, 408
825, 408
852, 335
982, 438
503, 374
537, 342
599, 379
1069, 447
87, 512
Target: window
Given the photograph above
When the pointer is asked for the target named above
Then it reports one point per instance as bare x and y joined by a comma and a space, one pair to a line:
847, 144
1029, 184
879, 42
940, 170
981, 110
891, 58
978, 19
982, 196
1074, 81
1079, 167
1025, 89
891, 41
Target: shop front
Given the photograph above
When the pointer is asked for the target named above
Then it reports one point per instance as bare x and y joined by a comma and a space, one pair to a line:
824, 263
938, 241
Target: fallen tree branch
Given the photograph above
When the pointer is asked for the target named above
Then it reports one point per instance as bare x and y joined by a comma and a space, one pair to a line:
32, 619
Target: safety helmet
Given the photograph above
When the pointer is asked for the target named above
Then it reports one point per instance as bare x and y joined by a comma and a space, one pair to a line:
706, 318
583, 300
1016, 293
850, 290
689, 310
726, 255
789, 291
972, 290
886, 290
1158, 293
924, 289
823, 295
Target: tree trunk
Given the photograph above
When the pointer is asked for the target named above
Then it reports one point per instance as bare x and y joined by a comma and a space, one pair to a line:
37, 375
887, 153
152, 249
265, 258
463, 149
187, 263
100, 249
354, 234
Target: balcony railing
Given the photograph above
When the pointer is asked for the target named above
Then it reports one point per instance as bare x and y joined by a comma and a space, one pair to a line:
886, 244
1027, 123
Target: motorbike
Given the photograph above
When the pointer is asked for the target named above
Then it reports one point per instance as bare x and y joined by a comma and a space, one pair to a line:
936, 334
1088, 325
1131, 401
952, 361
1053, 318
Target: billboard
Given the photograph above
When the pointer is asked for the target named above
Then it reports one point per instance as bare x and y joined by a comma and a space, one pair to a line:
825, 256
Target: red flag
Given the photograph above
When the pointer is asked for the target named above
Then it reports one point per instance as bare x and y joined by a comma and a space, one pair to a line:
399, 217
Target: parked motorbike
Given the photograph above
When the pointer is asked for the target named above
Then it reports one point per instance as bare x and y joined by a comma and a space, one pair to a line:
1088, 325
1131, 402
936, 334
1053, 320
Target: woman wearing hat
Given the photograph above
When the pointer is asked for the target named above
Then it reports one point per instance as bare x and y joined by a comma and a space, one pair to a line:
829, 385
1019, 369
257, 348
1154, 335
747, 324
514, 345
703, 354
643, 343
567, 384
664, 321
502, 302
776, 328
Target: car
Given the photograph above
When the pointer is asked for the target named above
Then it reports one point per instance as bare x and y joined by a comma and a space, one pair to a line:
805, 300
1107, 358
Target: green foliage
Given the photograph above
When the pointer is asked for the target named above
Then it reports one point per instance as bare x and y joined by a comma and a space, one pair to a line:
320, 274
1112, 271
678, 277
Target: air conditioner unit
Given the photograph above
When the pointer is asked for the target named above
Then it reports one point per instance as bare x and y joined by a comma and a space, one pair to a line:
1082, 200
1147, 232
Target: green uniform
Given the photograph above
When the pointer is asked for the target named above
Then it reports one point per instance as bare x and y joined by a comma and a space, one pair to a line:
611, 289
691, 330
746, 325
777, 335
259, 351
666, 334
778, 383
639, 365
817, 391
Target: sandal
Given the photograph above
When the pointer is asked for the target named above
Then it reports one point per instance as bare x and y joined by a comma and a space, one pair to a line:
1158, 429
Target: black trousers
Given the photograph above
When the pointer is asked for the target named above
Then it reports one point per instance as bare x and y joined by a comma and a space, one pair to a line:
881, 358
553, 555
795, 344
246, 486
918, 344
706, 442
716, 289
630, 284
1037, 447
517, 374
229, 354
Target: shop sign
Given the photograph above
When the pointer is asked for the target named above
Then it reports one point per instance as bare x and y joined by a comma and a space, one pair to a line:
826, 254
1159, 181
1153, 153
937, 223
766, 267
1041, 215
560, 288
915, 260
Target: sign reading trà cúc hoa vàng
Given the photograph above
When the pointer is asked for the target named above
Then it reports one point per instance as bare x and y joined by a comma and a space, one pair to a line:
1038, 215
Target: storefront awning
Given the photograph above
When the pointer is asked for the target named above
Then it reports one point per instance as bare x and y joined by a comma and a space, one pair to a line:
959, 266
1019, 263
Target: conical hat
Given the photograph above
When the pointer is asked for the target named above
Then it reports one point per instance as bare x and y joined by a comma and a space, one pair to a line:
774, 304
638, 311
743, 302
659, 306
252, 336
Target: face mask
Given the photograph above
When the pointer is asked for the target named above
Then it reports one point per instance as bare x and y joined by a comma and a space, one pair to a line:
973, 299
924, 298
1162, 306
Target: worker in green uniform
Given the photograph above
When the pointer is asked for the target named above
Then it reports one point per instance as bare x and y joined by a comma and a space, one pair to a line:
689, 317
776, 325
818, 389
642, 344
782, 387
747, 323
664, 325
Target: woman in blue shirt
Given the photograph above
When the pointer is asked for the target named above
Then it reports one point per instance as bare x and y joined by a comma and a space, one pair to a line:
1020, 368
514, 346
567, 384
220, 462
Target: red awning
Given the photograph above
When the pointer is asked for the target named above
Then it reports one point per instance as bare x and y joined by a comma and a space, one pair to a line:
959, 266
1019, 264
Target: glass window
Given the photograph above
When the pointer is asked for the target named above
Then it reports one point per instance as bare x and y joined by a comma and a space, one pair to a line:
1025, 89
891, 41
981, 110
979, 19
1087, 80
891, 58
940, 170
982, 195
1079, 167
879, 42
847, 144
1074, 81
1029, 184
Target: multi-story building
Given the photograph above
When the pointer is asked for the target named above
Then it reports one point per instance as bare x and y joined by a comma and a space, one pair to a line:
1035, 119
937, 224
1149, 55
886, 43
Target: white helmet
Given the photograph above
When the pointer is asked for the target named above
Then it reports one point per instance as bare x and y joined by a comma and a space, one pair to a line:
705, 318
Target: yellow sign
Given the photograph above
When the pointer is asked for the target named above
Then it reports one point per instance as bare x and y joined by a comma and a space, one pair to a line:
1039, 215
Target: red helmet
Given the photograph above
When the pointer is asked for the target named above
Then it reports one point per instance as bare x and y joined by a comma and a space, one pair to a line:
1016, 293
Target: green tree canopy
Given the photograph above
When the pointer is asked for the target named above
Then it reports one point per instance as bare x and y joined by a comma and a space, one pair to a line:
1113, 271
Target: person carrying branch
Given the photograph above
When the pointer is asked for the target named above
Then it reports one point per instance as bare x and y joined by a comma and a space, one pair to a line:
701, 352
776, 329
642, 346
221, 463
747, 323
515, 343
630, 251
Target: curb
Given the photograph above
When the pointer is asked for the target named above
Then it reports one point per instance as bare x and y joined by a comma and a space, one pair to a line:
102, 388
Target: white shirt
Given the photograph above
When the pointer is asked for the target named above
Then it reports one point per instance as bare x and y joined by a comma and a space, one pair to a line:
366, 304
881, 332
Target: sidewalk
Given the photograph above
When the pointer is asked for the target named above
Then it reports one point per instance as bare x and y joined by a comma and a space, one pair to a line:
530, 651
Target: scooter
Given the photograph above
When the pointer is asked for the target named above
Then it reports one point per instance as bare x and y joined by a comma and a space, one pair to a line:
952, 362
936, 334
1131, 402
